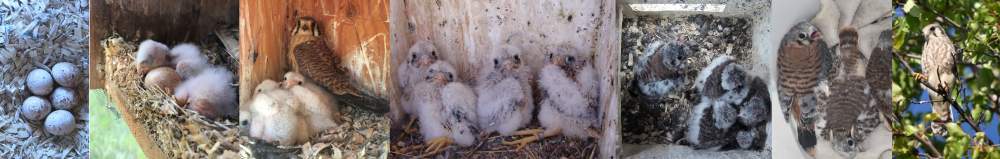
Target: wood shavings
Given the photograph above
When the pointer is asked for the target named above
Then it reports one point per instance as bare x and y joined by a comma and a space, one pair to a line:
38, 34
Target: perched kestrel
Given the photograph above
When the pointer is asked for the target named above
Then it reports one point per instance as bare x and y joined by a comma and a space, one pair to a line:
938, 64
310, 56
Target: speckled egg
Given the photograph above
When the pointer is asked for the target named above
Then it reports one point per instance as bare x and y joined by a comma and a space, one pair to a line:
35, 108
66, 74
163, 77
40, 82
64, 98
60, 122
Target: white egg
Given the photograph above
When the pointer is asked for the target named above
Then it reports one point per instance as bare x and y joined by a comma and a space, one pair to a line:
40, 82
66, 74
60, 122
64, 98
35, 108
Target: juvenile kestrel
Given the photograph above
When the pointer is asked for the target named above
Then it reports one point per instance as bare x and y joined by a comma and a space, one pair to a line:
803, 60
660, 70
310, 56
938, 64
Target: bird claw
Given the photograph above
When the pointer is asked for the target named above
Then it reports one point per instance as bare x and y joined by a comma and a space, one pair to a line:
437, 145
528, 132
522, 142
919, 76
409, 127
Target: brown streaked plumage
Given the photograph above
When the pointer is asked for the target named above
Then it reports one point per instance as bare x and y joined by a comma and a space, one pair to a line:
938, 65
803, 60
310, 56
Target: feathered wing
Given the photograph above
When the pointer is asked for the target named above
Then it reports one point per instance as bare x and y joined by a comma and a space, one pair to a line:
459, 103
566, 100
430, 111
318, 62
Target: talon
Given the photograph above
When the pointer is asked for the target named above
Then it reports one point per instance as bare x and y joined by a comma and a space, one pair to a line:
522, 142
438, 144
919, 76
528, 132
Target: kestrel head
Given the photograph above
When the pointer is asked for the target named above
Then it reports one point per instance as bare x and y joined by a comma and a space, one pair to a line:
422, 54
266, 85
674, 54
306, 26
803, 34
934, 30
507, 59
846, 143
441, 73
293, 78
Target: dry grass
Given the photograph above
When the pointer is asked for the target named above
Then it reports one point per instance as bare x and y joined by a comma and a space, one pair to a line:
412, 146
39, 34
177, 132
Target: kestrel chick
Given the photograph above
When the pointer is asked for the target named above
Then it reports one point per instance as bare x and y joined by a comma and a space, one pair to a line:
507, 82
447, 109
419, 59
188, 60
209, 93
151, 54
660, 70
318, 105
569, 104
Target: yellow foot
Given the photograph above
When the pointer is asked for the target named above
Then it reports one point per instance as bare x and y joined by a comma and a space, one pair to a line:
437, 145
523, 141
528, 132
919, 76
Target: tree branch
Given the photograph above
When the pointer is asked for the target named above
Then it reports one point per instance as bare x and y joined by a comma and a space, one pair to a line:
927, 143
945, 94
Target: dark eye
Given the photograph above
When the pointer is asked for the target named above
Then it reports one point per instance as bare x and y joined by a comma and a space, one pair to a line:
414, 56
850, 142
933, 28
300, 82
434, 53
517, 59
569, 59
802, 35
496, 62
451, 77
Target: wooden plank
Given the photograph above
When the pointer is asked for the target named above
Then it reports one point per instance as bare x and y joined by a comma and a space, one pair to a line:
357, 30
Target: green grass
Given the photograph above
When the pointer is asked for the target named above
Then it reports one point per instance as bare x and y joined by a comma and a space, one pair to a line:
109, 135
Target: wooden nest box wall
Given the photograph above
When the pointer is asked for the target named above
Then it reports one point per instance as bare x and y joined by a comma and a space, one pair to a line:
356, 31
465, 32
171, 22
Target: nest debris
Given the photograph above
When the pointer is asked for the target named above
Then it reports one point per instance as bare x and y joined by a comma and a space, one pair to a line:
361, 135
178, 132
664, 121
39, 34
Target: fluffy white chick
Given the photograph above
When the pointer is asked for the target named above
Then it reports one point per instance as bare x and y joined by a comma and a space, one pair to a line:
151, 54
418, 59
446, 110
209, 93
188, 60
507, 82
275, 115
318, 105
569, 104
